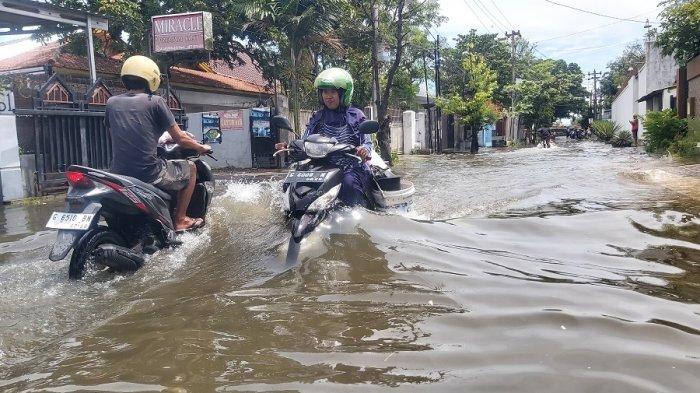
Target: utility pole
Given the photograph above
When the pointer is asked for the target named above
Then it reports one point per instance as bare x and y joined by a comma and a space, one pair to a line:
438, 91
375, 62
594, 77
427, 104
513, 35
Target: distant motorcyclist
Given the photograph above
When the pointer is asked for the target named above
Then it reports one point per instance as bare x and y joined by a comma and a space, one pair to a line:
135, 120
544, 136
338, 119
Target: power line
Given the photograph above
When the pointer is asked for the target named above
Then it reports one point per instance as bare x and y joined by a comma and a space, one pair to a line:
589, 48
591, 29
477, 16
502, 14
489, 15
594, 13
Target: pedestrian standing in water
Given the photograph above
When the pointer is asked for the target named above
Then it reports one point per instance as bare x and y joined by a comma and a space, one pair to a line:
635, 128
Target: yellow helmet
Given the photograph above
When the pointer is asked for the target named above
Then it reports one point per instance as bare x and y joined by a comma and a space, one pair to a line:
143, 67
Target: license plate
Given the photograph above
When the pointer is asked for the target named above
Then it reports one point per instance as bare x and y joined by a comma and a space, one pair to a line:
305, 177
76, 221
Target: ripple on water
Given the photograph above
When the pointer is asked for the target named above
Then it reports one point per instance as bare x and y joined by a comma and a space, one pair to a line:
533, 270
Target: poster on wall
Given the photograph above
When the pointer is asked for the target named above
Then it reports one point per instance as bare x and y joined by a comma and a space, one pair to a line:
231, 120
211, 130
261, 128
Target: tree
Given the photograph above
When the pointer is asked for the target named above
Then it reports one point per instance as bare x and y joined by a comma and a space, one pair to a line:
680, 30
497, 55
473, 103
550, 89
618, 73
397, 25
304, 25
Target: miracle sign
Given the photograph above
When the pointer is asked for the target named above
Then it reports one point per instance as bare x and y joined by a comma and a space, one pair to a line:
181, 32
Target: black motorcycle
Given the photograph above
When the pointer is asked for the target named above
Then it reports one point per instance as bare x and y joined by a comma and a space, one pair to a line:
111, 221
312, 185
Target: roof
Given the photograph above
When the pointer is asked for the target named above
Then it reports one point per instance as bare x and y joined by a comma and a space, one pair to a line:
244, 78
653, 93
21, 13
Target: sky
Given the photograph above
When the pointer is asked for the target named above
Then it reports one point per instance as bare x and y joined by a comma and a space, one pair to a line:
544, 23
539, 21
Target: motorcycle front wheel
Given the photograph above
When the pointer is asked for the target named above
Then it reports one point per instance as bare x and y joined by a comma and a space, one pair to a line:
84, 253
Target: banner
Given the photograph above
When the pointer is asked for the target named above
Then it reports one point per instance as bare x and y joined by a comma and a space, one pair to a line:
231, 120
211, 131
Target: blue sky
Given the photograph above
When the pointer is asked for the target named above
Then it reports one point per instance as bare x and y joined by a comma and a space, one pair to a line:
544, 23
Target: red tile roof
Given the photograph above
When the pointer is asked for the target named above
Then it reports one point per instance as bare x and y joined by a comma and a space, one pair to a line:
243, 78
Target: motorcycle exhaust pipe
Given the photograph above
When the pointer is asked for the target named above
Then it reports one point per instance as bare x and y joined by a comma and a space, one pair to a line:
119, 258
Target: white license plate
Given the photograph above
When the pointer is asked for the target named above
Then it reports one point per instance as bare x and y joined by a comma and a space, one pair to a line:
76, 221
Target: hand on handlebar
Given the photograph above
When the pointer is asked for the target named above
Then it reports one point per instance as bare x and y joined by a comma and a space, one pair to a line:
205, 149
362, 153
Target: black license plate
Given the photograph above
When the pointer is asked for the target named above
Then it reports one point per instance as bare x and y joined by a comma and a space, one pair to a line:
305, 177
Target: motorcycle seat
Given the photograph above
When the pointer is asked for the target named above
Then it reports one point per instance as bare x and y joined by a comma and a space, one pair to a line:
146, 186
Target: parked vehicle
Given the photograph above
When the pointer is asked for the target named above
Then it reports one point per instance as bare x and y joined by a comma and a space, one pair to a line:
111, 221
312, 185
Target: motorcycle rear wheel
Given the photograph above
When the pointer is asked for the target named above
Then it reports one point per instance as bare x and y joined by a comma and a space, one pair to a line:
84, 254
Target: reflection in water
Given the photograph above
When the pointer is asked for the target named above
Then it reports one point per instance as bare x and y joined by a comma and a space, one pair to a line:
534, 270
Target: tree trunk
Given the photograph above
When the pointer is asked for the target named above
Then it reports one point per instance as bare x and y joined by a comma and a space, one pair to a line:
474, 145
295, 91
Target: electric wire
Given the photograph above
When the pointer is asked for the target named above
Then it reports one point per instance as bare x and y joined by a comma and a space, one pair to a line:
594, 13
496, 22
587, 30
503, 15
477, 16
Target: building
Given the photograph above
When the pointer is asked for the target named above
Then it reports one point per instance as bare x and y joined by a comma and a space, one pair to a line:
693, 75
652, 87
53, 114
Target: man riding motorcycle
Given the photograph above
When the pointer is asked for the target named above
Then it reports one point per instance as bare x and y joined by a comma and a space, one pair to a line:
338, 119
135, 120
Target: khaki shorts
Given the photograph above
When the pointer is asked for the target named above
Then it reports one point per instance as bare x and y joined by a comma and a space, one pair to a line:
174, 175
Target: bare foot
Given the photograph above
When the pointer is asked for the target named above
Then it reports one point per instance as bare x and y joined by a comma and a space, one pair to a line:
188, 223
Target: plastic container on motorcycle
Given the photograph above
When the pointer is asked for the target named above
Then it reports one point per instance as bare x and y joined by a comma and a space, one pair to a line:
397, 200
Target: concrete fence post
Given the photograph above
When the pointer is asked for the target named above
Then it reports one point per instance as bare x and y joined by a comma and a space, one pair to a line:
409, 131
420, 131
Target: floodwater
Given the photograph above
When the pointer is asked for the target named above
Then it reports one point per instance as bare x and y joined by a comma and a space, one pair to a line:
573, 269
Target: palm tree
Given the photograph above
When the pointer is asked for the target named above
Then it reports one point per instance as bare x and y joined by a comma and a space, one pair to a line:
300, 24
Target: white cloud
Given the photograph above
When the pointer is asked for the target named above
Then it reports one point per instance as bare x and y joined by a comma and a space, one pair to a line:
540, 20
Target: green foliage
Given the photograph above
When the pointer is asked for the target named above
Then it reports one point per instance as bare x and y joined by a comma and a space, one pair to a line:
605, 130
687, 146
473, 104
661, 129
622, 139
550, 89
680, 30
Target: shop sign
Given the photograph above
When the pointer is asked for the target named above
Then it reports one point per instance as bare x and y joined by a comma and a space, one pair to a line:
231, 120
182, 32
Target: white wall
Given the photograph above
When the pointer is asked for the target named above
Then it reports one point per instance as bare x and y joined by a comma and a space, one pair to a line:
10, 173
641, 106
624, 106
234, 150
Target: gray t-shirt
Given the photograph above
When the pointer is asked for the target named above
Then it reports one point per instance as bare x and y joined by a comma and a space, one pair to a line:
135, 123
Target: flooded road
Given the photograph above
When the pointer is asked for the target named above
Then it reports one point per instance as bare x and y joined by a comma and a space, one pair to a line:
571, 269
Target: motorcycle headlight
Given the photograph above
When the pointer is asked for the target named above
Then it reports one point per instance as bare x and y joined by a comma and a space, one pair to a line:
325, 200
316, 150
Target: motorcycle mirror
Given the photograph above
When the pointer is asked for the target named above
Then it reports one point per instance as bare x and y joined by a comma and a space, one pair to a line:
369, 127
281, 123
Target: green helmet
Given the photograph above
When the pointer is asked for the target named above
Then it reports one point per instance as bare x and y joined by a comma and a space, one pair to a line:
336, 78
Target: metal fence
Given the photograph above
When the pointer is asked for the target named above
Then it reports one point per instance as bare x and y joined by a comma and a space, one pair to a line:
64, 138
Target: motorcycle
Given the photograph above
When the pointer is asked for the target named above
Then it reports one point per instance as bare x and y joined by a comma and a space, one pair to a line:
312, 186
111, 221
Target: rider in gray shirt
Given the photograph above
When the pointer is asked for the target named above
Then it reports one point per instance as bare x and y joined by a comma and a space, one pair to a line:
135, 120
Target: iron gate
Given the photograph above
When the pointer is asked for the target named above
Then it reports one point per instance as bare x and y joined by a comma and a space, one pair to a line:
65, 138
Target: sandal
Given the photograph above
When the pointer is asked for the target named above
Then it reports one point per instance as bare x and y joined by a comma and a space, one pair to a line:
196, 224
